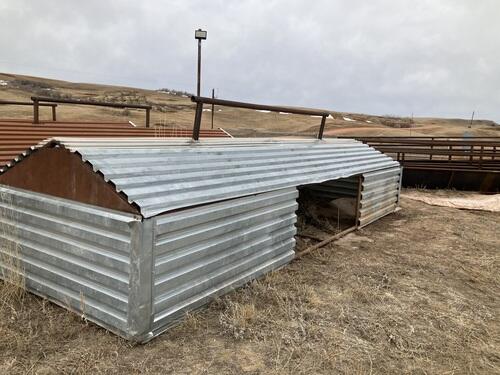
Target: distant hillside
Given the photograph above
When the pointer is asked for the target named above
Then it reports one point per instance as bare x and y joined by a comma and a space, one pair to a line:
173, 108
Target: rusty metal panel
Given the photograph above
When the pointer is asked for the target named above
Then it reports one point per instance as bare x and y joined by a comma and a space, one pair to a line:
379, 194
59, 173
17, 136
163, 175
203, 252
76, 255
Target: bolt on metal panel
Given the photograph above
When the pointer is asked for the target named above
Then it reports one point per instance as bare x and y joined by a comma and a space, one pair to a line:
74, 254
205, 251
379, 194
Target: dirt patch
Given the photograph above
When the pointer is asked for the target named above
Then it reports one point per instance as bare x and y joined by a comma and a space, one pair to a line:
416, 292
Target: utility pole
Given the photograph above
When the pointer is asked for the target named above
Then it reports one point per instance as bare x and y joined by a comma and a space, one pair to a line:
411, 123
213, 107
472, 119
200, 35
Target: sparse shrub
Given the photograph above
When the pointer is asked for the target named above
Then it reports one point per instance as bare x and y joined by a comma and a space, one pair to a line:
29, 85
397, 122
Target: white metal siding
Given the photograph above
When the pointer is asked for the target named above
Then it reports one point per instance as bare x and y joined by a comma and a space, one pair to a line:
379, 194
203, 252
74, 254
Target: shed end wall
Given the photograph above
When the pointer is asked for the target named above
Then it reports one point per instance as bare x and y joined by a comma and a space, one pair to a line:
61, 173
76, 255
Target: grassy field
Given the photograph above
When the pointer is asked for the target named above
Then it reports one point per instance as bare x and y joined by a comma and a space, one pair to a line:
395, 297
178, 111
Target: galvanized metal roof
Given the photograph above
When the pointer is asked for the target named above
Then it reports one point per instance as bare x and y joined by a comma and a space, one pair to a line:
159, 175
18, 135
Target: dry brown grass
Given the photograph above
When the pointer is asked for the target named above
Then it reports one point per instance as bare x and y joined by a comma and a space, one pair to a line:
11, 275
11, 267
416, 292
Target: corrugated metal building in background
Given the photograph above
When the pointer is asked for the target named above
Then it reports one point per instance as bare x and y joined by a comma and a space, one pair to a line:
18, 135
137, 231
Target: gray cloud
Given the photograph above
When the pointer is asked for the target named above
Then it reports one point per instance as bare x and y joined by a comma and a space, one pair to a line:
432, 58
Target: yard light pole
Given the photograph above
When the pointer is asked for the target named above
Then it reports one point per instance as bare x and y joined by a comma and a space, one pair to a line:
200, 35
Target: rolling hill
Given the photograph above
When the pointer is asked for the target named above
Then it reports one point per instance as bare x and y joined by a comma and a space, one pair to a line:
174, 109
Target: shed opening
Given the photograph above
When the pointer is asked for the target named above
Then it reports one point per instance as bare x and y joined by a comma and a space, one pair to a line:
327, 209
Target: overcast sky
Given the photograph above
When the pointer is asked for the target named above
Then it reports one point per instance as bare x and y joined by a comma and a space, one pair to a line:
429, 57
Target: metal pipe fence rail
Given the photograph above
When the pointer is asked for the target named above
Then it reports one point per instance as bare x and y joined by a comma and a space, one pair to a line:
474, 153
41, 100
200, 100
14, 102
471, 163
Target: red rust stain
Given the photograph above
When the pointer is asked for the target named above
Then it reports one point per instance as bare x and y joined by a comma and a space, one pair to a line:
60, 173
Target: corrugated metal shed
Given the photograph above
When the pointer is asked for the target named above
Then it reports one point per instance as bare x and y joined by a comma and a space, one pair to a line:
210, 216
17, 136
163, 175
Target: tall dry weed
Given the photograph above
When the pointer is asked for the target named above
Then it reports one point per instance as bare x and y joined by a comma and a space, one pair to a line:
167, 130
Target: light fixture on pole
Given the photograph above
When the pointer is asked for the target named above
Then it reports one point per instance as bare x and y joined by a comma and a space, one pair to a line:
200, 35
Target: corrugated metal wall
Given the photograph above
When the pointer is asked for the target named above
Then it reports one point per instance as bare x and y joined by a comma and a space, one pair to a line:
343, 187
16, 137
379, 194
77, 255
203, 252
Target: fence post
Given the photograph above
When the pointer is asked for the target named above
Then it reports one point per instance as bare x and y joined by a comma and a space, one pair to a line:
322, 127
147, 117
54, 118
197, 121
432, 148
481, 157
36, 119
